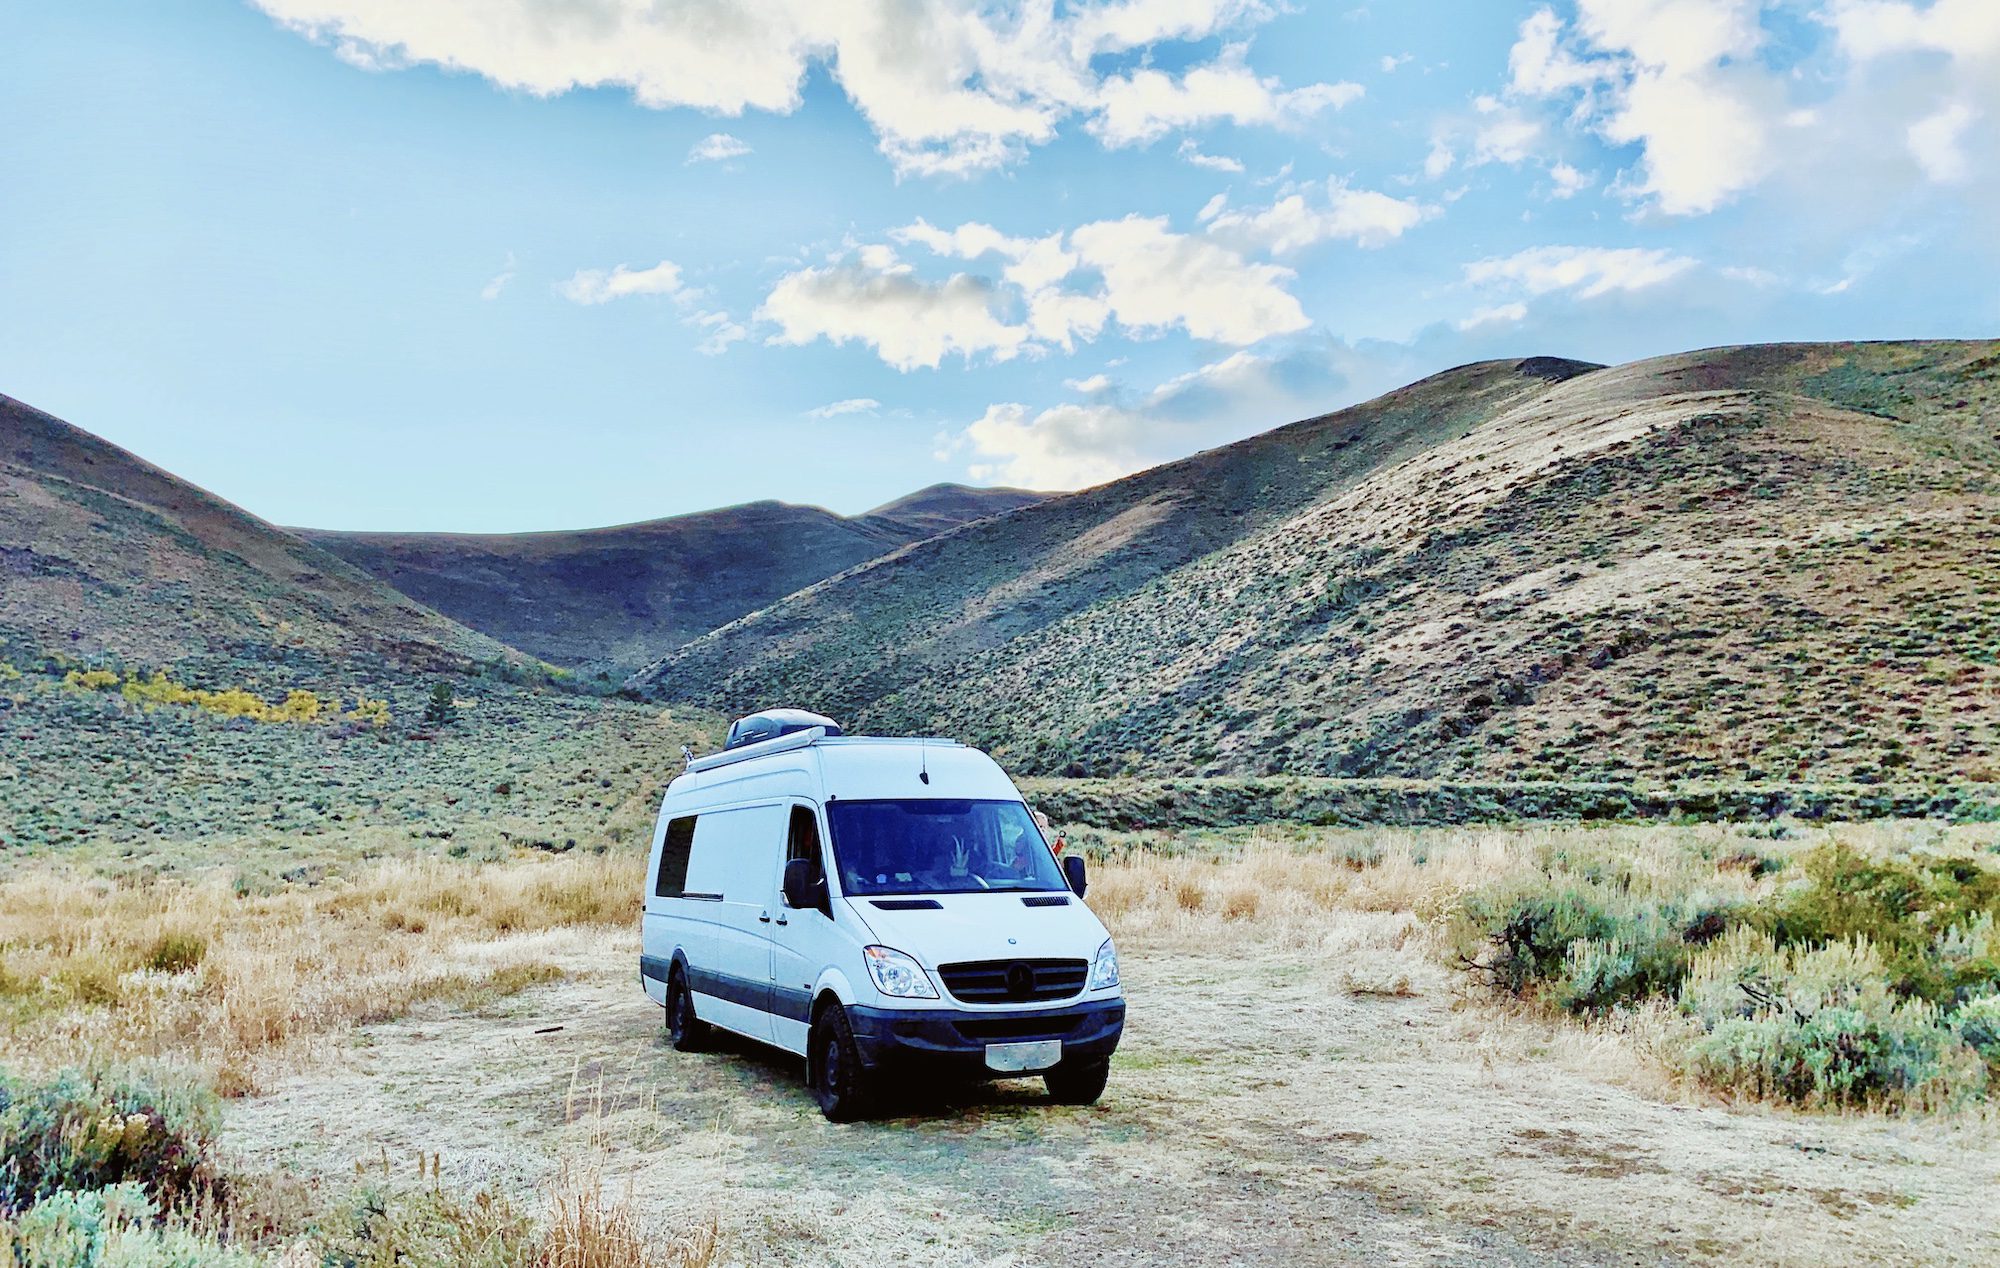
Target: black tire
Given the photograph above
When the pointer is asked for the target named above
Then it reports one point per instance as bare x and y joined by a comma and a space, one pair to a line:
833, 1069
1077, 1082
687, 1032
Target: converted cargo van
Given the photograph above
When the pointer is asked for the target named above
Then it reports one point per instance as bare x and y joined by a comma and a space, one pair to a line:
874, 905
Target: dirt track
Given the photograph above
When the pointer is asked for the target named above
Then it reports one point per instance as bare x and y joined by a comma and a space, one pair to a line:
1260, 1112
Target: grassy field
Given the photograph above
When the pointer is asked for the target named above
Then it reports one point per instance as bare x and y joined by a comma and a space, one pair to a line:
1472, 1044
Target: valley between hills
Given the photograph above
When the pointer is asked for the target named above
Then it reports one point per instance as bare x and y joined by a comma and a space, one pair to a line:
1593, 772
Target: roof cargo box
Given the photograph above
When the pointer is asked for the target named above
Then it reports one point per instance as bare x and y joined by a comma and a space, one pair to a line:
772, 723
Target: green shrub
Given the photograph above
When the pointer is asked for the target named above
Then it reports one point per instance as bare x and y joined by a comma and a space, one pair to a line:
1904, 906
441, 706
1978, 1024
177, 952
78, 1130
114, 1227
380, 1227
1821, 1026
1589, 945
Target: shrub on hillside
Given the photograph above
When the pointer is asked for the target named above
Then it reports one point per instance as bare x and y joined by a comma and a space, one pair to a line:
441, 709
88, 1130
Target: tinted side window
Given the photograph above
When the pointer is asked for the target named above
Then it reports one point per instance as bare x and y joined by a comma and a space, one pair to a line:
802, 841
674, 857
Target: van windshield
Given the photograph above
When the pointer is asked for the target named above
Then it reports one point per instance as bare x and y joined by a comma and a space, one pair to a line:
933, 846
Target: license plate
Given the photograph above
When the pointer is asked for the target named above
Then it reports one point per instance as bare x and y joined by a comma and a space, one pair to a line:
1039, 1055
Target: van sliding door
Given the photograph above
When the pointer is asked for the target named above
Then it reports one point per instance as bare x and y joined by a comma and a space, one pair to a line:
736, 852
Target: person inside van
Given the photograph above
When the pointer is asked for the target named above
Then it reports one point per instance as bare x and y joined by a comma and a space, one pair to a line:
1014, 862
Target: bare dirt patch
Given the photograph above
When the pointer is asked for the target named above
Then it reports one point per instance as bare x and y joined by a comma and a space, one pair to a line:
1261, 1111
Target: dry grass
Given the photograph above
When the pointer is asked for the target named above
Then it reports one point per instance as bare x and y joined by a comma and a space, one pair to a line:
93, 969
1375, 909
586, 1229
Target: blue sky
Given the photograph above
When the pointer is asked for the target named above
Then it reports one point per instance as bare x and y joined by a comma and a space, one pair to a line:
520, 264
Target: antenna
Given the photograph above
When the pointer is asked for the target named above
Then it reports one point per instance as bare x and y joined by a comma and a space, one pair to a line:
687, 755
924, 760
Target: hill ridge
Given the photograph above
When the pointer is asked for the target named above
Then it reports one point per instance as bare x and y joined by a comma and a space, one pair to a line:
1638, 571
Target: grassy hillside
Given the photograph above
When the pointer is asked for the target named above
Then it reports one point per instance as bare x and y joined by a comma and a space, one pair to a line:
1768, 563
616, 598
103, 554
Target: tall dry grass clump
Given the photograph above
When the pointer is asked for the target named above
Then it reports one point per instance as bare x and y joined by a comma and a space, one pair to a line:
92, 969
585, 1228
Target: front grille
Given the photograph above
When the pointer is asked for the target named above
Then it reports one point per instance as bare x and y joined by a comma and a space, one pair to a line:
1001, 1027
1014, 981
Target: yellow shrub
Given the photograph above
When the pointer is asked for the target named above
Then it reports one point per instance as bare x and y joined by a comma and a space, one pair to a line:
89, 679
7, 672
234, 702
155, 691
373, 712
299, 706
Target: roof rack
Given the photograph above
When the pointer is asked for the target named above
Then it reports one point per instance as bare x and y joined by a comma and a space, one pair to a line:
807, 739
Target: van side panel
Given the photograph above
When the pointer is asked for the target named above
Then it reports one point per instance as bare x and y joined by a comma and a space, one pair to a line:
731, 878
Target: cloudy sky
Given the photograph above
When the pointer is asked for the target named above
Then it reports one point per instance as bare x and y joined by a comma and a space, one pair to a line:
512, 264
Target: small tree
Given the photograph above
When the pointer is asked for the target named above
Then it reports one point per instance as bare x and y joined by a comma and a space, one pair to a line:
441, 709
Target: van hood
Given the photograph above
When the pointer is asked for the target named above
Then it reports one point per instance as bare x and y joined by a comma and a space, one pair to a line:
978, 926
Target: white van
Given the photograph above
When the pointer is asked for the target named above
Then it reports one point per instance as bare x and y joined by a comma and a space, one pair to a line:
874, 905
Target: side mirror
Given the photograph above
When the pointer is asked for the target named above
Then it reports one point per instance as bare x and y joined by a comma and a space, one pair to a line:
1072, 866
801, 883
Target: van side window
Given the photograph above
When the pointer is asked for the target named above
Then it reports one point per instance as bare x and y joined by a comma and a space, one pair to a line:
802, 841
674, 857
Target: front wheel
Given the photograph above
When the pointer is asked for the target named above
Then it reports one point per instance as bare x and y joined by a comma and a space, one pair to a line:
1077, 1083
687, 1032
833, 1069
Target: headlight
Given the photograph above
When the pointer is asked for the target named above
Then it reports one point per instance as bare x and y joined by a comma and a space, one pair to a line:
897, 975
1105, 971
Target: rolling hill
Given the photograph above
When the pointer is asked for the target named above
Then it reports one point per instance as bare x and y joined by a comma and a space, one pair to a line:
1763, 563
105, 554
616, 598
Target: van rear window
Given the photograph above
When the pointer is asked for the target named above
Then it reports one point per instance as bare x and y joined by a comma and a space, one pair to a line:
674, 857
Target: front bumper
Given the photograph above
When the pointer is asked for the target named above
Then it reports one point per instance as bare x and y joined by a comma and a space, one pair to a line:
953, 1040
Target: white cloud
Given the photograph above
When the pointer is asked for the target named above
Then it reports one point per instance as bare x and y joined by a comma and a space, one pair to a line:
1191, 153
948, 88
1149, 103
1364, 217
1870, 29
1937, 142
719, 331
717, 147
1091, 386
1064, 447
1073, 445
595, 286
1587, 272
1135, 272
1155, 279
1538, 66
1440, 159
1568, 181
1390, 62
853, 405
1498, 315
1502, 134
909, 322
1211, 209
498, 283
1678, 79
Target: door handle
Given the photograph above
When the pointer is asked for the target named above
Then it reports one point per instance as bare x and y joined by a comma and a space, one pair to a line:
783, 921
764, 916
